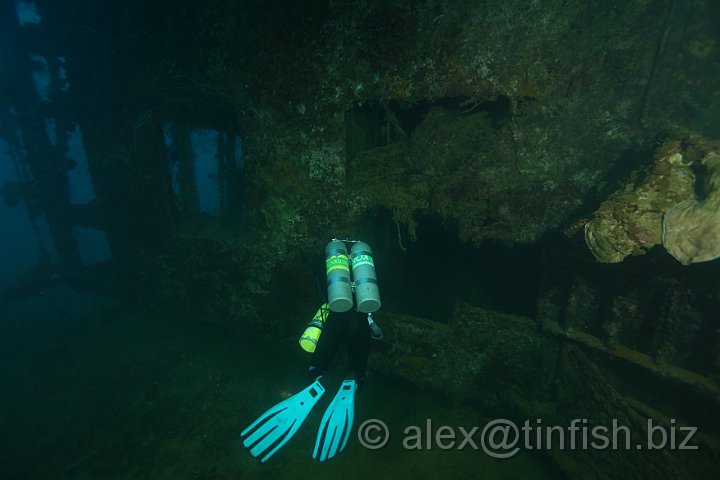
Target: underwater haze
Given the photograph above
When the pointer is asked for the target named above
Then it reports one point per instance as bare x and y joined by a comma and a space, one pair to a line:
317, 239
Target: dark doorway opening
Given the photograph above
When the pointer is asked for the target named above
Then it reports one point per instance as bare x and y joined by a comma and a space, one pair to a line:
437, 269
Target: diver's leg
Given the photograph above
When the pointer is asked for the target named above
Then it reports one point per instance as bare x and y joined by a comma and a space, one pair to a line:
332, 335
358, 348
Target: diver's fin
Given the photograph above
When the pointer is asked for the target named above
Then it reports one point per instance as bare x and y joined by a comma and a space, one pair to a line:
275, 428
337, 423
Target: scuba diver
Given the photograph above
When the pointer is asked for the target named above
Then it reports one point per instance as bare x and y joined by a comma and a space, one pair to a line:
340, 320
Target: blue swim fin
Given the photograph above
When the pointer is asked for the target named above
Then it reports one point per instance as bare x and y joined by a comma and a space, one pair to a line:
337, 423
274, 428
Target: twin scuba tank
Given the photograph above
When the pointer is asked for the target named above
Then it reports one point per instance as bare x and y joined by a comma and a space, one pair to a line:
346, 275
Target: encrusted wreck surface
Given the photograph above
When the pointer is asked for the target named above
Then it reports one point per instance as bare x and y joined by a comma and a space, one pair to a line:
631, 221
507, 365
691, 229
665, 205
494, 123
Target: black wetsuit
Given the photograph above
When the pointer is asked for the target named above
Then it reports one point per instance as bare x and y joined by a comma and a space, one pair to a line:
351, 328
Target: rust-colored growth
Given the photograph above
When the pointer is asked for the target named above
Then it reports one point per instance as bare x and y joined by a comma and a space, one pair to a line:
287, 174
461, 81
401, 91
527, 88
575, 227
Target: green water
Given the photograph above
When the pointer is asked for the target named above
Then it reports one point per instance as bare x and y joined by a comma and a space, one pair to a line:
94, 391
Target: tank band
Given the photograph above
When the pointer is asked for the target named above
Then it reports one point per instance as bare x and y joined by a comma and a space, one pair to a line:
335, 251
316, 323
337, 279
360, 252
365, 280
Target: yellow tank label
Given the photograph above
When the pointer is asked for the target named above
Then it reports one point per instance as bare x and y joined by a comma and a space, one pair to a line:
363, 260
336, 262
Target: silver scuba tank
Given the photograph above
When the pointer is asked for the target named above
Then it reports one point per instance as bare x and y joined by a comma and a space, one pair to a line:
337, 269
367, 293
